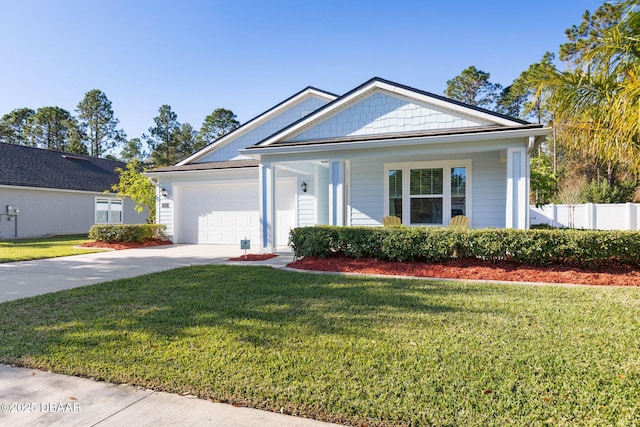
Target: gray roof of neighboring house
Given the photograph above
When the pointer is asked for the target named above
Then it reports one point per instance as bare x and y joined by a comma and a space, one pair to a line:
35, 167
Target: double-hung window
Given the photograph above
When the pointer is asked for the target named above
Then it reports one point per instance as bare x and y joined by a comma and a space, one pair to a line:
108, 210
426, 197
427, 193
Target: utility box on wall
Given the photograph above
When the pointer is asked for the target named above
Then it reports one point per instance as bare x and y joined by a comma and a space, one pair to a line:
12, 210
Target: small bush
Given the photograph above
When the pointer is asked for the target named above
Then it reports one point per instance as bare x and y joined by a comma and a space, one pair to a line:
532, 247
321, 241
360, 242
121, 233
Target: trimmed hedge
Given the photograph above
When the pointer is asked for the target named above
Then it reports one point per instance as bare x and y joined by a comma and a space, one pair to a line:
534, 247
120, 233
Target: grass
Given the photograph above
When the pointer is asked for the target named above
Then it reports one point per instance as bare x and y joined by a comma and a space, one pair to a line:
46, 247
347, 349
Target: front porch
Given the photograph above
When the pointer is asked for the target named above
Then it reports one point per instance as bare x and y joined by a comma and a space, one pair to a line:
489, 187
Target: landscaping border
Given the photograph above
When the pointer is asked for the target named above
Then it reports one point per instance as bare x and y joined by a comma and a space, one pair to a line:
123, 233
584, 248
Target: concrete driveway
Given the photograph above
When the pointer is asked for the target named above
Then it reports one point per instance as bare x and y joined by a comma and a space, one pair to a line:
29, 278
32, 397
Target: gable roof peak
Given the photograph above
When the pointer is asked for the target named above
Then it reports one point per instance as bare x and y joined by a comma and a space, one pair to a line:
257, 120
397, 89
443, 98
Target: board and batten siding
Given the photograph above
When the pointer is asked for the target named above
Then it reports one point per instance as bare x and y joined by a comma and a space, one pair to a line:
489, 190
307, 202
282, 120
367, 191
487, 183
165, 216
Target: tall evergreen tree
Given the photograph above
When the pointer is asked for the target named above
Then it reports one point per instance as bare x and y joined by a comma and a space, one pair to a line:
132, 150
473, 87
98, 123
587, 35
162, 139
14, 126
520, 99
49, 128
217, 124
76, 142
185, 137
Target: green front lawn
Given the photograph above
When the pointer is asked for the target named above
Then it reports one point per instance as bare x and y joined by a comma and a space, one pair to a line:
347, 349
45, 247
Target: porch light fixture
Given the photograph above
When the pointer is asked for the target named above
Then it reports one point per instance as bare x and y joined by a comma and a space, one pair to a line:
303, 186
163, 192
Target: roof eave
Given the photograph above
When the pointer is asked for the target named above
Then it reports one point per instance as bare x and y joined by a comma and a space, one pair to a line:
257, 151
155, 174
64, 190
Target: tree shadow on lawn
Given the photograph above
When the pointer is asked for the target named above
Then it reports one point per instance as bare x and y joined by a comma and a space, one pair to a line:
269, 338
259, 305
266, 301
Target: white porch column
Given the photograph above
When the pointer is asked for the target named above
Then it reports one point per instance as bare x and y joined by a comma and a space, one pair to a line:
336, 193
517, 215
267, 182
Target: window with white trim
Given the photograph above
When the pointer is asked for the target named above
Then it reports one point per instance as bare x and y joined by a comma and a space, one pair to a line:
431, 193
108, 210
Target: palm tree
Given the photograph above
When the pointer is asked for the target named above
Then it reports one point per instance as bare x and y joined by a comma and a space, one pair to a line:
596, 102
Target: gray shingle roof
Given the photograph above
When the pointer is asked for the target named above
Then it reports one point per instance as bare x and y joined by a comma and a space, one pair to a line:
35, 167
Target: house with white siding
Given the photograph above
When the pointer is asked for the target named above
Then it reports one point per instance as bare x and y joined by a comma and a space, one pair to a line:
318, 158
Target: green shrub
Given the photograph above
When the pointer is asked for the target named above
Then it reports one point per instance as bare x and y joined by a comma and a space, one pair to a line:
603, 192
532, 247
120, 233
320, 241
360, 242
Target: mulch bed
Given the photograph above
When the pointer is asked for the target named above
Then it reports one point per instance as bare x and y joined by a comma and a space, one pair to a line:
476, 269
253, 257
128, 245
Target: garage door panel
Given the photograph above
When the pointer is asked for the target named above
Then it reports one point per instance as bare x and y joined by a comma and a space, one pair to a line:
227, 221
227, 213
217, 214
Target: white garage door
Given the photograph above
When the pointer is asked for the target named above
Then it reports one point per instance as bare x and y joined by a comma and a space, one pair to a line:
227, 213
218, 214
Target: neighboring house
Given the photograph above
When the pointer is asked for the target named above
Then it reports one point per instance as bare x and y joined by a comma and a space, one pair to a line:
318, 158
58, 193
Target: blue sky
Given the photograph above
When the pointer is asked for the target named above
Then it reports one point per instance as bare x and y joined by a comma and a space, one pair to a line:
247, 56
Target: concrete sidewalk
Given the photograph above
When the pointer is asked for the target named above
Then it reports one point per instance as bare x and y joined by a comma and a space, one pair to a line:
29, 278
31, 397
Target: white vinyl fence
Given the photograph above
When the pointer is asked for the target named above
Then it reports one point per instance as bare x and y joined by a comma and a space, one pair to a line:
590, 216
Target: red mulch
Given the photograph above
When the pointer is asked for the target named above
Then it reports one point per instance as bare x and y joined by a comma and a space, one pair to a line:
476, 269
253, 257
128, 245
